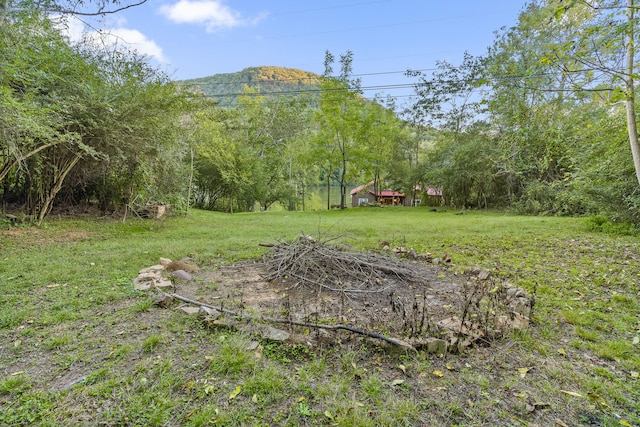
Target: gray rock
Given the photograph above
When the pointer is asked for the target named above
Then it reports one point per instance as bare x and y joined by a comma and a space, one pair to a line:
484, 275
181, 275
152, 269
210, 314
163, 283
189, 309
163, 300
436, 346
273, 334
143, 283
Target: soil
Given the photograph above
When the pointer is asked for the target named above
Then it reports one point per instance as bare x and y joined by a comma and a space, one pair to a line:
394, 305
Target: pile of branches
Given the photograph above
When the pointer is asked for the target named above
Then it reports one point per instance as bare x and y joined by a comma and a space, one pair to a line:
315, 264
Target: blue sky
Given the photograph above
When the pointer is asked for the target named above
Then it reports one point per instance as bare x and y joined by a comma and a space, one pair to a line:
197, 38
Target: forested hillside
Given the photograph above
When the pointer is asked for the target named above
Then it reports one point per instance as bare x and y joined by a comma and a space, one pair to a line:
225, 88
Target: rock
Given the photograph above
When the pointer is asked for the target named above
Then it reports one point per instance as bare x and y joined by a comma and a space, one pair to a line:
153, 269
518, 301
181, 275
436, 346
273, 334
223, 323
189, 309
484, 275
425, 257
143, 283
163, 300
209, 314
180, 265
506, 323
474, 271
153, 275
163, 283
253, 345
386, 248
400, 347
164, 261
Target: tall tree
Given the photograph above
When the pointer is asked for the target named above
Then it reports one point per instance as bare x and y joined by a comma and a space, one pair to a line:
342, 120
601, 56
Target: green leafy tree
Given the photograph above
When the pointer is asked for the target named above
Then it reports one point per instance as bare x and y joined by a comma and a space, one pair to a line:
343, 123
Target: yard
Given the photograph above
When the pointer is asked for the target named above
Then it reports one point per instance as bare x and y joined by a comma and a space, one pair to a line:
80, 346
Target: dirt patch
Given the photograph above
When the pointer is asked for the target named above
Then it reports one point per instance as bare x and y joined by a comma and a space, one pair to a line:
309, 282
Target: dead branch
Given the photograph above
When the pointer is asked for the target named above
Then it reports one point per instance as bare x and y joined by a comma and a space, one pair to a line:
296, 323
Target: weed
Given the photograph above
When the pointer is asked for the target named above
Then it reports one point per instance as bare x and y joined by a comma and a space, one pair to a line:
14, 384
285, 353
151, 343
232, 358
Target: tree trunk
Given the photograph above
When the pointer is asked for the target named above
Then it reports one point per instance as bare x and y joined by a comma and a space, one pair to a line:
57, 186
10, 164
343, 184
632, 125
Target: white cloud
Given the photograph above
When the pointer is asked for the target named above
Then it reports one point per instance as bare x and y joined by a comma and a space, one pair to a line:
119, 36
211, 13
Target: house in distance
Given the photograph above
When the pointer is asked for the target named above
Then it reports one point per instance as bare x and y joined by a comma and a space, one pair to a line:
367, 194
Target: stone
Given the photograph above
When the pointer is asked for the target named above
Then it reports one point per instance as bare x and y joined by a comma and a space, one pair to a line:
152, 269
252, 346
436, 346
181, 275
274, 334
163, 300
425, 257
208, 313
189, 309
164, 261
484, 275
143, 284
163, 283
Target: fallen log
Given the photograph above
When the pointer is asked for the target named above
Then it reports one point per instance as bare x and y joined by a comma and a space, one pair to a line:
297, 323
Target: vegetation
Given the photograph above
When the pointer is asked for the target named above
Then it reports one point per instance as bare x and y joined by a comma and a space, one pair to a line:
538, 125
85, 127
81, 347
541, 124
226, 89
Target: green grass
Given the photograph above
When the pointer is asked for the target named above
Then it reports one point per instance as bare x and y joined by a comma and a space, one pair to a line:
69, 311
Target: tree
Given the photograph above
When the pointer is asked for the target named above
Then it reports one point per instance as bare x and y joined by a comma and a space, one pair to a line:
70, 7
75, 119
601, 57
343, 121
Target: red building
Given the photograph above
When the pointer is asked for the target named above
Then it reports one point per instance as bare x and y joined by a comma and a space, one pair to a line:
366, 194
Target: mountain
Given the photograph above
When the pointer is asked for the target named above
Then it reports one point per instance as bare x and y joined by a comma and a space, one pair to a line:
269, 81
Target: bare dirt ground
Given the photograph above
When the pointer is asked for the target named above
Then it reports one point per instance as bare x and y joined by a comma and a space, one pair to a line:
317, 284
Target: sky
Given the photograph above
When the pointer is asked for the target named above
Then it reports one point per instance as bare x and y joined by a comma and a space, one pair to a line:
198, 38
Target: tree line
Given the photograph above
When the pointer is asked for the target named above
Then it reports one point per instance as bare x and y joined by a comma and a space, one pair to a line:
543, 123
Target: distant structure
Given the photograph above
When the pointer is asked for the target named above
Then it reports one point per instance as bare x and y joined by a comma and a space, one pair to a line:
366, 195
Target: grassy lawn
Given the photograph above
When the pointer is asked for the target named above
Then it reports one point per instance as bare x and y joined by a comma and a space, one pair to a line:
79, 346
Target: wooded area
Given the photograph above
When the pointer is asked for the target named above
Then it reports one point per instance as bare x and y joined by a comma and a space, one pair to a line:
542, 124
